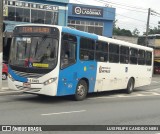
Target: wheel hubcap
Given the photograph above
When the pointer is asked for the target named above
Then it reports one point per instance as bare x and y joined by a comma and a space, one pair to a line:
3, 76
81, 90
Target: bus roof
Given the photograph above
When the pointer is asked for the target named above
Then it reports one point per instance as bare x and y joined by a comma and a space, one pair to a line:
124, 43
92, 36
80, 33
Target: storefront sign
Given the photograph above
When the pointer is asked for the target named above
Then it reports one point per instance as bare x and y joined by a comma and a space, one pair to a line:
48, 7
157, 53
5, 11
157, 42
87, 11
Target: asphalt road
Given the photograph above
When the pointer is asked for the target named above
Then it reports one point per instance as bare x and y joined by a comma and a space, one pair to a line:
107, 108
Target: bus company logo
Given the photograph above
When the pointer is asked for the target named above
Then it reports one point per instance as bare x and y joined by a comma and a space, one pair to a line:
78, 10
104, 69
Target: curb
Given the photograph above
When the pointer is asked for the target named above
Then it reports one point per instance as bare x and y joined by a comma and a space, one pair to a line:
9, 92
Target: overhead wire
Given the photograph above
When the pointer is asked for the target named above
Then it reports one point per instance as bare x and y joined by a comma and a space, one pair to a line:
135, 7
116, 13
122, 7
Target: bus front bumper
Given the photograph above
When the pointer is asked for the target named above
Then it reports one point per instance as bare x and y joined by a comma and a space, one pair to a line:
35, 88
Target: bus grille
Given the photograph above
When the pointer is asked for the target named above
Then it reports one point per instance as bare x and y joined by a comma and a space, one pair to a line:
28, 75
26, 89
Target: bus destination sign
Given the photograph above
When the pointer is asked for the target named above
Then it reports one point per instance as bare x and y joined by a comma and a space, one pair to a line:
33, 30
29, 29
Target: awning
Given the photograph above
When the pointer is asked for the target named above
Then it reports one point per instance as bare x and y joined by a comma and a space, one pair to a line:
157, 60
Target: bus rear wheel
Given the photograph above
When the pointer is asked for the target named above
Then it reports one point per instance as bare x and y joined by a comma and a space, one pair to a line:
130, 86
81, 91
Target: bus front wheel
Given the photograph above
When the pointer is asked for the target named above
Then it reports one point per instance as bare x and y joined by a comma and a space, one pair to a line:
81, 90
130, 86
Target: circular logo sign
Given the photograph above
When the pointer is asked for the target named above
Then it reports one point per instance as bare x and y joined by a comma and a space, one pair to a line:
78, 10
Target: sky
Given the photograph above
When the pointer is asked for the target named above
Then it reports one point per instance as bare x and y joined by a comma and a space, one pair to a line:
130, 14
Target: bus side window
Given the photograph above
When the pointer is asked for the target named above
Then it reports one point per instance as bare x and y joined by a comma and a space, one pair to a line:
113, 53
101, 51
124, 55
148, 58
133, 56
87, 48
68, 50
141, 57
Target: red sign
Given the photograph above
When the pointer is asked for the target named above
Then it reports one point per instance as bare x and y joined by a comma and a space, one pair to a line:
157, 53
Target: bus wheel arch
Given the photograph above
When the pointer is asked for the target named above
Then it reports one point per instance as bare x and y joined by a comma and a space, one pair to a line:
81, 89
130, 85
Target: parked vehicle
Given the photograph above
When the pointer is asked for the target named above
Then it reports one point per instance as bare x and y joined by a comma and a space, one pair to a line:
156, 70
4, 71
156, 67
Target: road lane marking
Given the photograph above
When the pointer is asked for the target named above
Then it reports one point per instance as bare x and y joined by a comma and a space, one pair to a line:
64, 112
124, 96
155, 82
139, 95
156, 93
155, 89
4, 88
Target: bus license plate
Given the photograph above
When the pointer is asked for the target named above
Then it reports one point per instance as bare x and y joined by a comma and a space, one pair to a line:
27, 85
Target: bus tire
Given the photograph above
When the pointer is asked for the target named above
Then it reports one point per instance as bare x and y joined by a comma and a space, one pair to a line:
4, 76
81, 91
130, 86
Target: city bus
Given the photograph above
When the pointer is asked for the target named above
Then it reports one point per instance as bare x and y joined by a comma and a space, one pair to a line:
58, 61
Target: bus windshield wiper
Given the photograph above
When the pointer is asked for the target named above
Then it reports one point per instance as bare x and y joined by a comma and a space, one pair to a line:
38, 44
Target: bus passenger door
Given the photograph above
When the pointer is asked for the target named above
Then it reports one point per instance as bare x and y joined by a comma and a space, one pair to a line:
68, 70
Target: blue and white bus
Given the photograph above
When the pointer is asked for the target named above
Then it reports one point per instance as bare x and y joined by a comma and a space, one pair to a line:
57, 61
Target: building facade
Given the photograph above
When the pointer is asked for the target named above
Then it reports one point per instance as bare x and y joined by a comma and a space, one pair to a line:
52, 12
92, 19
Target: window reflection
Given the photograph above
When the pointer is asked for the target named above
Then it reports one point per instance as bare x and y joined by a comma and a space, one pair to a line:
87, 26
34, 13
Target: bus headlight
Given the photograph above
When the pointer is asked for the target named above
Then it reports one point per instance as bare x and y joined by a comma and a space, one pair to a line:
10, 76
50, 81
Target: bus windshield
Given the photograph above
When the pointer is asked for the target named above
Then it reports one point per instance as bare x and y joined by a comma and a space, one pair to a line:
34, 52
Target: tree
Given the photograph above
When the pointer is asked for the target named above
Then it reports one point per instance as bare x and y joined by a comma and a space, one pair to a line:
155, 30
135, 32
121, 32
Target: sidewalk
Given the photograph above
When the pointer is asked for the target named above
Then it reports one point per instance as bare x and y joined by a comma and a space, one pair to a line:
156, 75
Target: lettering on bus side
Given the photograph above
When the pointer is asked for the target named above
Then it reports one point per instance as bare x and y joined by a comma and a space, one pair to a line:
148, 69
104, 69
